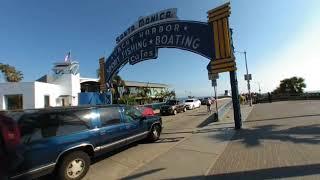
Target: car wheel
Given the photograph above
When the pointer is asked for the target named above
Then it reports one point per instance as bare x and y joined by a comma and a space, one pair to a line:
184, 109
175, 112
74, 166
154, 133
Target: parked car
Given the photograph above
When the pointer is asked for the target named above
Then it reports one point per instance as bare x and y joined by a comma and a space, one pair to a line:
192, 103
63, 140
173, 107
146, 111
205, 100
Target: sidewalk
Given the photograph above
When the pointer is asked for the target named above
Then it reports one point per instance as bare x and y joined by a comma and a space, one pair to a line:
195, 155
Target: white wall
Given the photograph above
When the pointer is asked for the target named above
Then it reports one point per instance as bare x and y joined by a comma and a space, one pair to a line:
51, 90
24, 88
70, 85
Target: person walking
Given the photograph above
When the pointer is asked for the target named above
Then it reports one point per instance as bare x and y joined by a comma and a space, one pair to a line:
209, 102
270, 97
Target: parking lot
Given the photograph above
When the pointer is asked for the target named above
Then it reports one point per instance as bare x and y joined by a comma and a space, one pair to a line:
121, 163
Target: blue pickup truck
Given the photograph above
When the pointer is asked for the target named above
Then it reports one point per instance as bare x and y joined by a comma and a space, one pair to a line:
62, 141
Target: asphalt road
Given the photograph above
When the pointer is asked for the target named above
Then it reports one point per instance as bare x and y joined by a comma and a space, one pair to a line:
128, 159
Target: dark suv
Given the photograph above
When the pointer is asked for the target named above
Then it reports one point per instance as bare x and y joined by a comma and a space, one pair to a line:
172, 107
63, 140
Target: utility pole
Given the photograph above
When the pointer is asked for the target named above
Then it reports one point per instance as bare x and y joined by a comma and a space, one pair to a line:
248, 77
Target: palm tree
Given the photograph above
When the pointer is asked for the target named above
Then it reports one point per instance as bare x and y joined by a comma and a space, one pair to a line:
10, 73
117, 82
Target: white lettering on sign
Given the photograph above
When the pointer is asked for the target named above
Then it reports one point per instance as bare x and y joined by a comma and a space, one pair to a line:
178, 40
164, 15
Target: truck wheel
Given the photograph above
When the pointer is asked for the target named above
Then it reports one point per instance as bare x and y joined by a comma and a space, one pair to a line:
174, 112
154, 133
74, 166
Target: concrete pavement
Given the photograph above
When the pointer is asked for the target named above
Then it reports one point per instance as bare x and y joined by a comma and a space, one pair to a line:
194, 156
278, 140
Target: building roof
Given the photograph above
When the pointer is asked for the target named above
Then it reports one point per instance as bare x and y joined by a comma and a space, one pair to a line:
145, 84
130, 83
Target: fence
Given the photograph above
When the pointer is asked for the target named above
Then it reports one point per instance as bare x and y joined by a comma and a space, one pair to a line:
287, 97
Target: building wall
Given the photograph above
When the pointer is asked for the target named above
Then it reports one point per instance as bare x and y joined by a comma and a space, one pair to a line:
70, 85
43, 89
24, 88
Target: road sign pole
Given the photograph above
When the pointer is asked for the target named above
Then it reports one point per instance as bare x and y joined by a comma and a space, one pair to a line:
248, 79
216, 99
235, 100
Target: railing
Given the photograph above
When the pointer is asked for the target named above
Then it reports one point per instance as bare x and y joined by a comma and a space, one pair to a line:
287, 97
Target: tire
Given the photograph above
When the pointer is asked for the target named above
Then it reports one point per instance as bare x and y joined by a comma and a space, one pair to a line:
175, 112
184, 109
154, 133
70, 164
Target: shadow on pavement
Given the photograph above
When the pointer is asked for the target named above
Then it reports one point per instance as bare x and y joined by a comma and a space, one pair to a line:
270, 173
135, 176
165, 140
179, 132
287, 117
212, 118
253, 136
199, 114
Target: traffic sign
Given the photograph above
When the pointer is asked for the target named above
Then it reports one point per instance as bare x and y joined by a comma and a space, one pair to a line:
223, 65
213, 76
214, 83
247, 76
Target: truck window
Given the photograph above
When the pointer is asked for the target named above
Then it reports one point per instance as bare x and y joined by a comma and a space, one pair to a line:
36, 126
131, 114
109, 116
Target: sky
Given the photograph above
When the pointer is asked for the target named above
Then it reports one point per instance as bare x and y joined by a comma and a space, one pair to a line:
281, 38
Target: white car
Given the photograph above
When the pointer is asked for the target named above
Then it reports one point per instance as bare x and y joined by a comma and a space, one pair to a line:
192, 103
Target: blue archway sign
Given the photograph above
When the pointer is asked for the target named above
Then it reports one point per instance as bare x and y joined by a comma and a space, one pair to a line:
212, 40
143, 44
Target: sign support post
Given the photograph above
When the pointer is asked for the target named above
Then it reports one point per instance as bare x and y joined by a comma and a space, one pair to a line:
216, 99
235, 100
224, 60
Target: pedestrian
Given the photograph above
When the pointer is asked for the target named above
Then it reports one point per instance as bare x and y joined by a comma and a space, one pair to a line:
269, 97
209, 105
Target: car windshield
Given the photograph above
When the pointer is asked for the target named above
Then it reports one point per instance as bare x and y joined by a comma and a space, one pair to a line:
171, 102
189, 100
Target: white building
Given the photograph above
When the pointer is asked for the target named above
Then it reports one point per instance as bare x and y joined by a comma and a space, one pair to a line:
60, 88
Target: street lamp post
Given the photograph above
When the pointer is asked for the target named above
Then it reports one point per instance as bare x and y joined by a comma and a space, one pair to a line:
248, 78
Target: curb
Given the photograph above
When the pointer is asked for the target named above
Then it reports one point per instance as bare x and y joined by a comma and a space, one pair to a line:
221, 113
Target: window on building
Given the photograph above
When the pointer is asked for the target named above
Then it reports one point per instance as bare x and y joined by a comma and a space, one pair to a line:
14, 102
46, 101
109, 116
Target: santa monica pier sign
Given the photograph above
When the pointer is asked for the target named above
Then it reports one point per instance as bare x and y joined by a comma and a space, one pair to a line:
163, 29
160, 30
